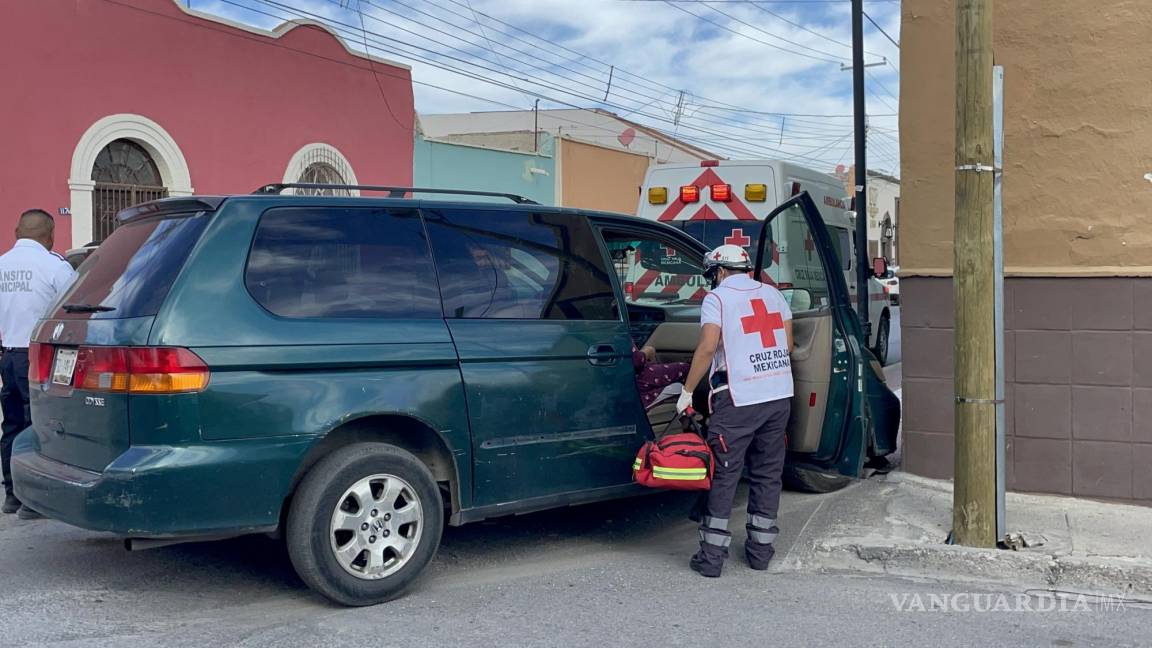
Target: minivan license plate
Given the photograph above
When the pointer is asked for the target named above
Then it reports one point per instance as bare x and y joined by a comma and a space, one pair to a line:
65, 365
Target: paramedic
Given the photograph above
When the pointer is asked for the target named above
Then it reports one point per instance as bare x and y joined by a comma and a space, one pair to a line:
745, 346
31, 278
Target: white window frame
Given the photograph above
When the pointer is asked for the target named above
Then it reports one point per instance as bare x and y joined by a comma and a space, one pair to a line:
147, 133
309, 153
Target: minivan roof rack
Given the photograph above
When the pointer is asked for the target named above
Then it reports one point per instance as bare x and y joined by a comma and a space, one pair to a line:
393, 192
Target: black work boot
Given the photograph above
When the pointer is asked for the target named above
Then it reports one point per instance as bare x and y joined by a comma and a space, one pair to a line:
26, 513
762, 532
714, 541
706, 565
758, 555
11, 504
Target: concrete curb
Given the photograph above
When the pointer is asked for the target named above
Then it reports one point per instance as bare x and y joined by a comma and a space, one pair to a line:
1095, 575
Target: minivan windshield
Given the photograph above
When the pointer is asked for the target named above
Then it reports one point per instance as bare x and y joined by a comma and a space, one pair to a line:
130, 273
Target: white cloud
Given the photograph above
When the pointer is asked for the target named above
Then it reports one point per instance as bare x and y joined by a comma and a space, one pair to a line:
659, 50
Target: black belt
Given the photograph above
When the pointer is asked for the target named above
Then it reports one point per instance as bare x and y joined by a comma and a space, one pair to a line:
15, 349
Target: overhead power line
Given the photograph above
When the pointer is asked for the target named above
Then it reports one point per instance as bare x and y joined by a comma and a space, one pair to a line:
823, 59
728, 134
390, 45
769, 2
877, 26
729, 16
801, 27
582, 58
804, 131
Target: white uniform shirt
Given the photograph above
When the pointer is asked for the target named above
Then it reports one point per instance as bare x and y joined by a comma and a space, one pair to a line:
753, 343
31, 279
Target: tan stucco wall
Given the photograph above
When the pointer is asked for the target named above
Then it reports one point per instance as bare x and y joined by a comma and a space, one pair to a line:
1078, 106
595, 177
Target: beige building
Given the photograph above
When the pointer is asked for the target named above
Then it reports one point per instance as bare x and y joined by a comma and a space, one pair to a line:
601, 158
1078, 246
883, 211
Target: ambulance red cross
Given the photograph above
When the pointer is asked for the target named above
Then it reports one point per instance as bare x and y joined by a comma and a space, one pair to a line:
719, 202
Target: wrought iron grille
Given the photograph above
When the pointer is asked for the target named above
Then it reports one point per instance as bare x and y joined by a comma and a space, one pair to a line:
108, 199
125, 176
323, 166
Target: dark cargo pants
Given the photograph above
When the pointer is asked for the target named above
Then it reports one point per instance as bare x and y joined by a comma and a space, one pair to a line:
14, 400
752, 435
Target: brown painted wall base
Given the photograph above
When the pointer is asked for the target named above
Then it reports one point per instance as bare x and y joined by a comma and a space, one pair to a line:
1078, 355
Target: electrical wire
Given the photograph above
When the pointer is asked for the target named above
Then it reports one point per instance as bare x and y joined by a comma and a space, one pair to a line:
708, 132
672, 3
881, 29
598, 81
583, 58
629, 110
759, 6
729, 16
687, 137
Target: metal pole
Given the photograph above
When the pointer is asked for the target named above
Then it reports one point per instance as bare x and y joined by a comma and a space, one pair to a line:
998, 262
974, 499
536, 127
862, 262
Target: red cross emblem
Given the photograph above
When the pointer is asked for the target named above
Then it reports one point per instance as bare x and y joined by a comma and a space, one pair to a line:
669, 251
737, 238
762, 322
809, 244
717, 256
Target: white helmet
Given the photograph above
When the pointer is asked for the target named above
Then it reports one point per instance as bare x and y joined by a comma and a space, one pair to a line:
732, 257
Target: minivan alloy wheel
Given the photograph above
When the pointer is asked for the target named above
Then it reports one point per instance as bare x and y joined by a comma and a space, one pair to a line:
376, 526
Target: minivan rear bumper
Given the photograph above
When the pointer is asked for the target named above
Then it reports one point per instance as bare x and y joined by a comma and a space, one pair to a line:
162, 491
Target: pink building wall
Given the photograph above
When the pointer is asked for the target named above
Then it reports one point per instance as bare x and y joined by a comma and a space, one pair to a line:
238, 103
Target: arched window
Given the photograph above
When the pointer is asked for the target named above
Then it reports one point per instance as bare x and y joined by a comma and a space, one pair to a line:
323, 173
125, 175
320, 163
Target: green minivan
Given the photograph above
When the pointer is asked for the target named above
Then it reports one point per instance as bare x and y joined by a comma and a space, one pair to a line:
351, 373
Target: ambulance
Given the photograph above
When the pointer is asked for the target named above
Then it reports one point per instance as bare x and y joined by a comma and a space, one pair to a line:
723, 202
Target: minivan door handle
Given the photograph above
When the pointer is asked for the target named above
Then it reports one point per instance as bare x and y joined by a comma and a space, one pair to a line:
602, 355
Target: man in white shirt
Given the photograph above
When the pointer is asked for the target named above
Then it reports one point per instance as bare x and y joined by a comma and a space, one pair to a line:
32, 277
745, 346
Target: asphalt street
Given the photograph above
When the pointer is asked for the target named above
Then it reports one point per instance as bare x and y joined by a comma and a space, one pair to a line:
605, 574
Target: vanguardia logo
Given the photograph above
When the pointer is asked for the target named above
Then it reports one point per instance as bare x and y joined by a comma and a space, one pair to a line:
988, 602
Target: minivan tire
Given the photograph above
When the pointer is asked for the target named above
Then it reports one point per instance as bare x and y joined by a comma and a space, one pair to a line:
312, 540
808, 480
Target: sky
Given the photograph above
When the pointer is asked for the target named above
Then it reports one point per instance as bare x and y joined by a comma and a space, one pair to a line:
749, 79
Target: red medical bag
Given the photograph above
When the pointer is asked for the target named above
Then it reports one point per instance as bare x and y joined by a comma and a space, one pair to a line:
679, 461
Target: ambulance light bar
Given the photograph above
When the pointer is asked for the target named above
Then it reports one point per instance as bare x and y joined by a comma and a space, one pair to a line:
657, 195
722, 192
756, 192
689, 194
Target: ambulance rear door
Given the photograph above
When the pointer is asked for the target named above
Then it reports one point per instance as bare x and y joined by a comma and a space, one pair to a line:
717, 202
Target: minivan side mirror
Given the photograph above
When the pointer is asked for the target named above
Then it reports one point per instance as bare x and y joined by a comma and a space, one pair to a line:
880, 267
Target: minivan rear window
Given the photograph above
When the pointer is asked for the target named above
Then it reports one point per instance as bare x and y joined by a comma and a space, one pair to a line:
134, 268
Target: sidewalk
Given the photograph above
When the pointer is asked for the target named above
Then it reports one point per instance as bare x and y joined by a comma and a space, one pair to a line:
897, 524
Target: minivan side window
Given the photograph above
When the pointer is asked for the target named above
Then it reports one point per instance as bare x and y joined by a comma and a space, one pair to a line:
655, 272
519, 265
342, 262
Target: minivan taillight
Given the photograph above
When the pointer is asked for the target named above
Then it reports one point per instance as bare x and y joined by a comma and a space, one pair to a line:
140, 370
39, 362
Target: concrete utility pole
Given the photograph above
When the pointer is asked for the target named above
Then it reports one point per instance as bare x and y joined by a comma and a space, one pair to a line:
863, 264
974, 500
